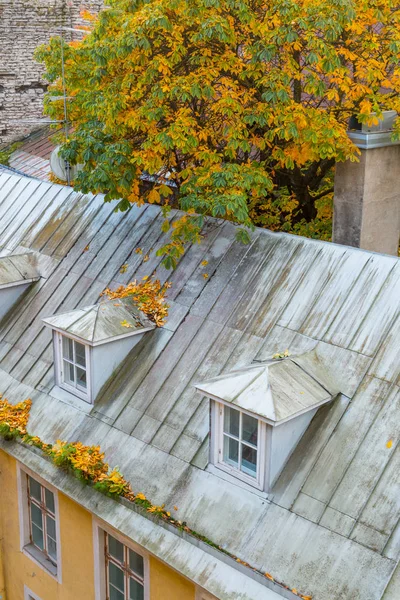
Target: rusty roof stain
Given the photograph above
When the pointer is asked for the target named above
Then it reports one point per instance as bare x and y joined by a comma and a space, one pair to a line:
32, 157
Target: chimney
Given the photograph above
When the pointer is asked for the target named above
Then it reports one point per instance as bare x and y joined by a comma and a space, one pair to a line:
367, 193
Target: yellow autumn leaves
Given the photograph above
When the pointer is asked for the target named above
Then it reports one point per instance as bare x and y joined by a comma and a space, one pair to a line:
149, 297
88, 464
14, 418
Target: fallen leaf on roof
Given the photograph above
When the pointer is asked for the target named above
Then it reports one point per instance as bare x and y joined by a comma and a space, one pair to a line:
204, 263
281, 354
389, 444
138, 251
126, 324
124, 268
86, 248
146, 258
205, 275
269, 576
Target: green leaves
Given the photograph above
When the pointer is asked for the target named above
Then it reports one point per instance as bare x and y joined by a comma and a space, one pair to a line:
225, 108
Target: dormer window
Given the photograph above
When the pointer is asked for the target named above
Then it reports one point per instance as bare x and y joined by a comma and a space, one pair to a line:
73, 365
260, 412
17, 273
238, 444
91, 342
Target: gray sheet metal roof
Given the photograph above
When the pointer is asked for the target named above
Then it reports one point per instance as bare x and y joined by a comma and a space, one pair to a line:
18, 269
330, 528
103, 322
277, 390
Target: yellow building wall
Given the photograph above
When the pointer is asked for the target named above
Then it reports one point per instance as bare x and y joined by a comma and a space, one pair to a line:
77, 553
166, 584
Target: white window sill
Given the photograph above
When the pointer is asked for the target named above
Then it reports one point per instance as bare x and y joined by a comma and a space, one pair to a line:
59, 393
235, 480
40, 559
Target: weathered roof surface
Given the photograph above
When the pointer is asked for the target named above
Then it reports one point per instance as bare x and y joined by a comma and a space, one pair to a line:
32, 157
17, 269
103, 322
330, 528
277, 390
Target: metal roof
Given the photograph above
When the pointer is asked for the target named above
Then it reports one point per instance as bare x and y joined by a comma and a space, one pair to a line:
330, 528
32, 157
18, 269
101, 323
277, 390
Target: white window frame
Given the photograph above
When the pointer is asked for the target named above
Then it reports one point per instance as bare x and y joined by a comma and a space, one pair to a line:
26, 546
217, 435
29, 595
100, 576
58, 362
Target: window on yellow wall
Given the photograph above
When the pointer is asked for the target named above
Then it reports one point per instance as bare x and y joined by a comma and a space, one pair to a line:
121, 566
42, 519
124, 571
39, 522
29, 595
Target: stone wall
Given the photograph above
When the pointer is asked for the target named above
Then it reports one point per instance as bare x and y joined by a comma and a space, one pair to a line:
24, 24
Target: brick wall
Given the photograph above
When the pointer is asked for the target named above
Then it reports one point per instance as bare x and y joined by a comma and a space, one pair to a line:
24, 24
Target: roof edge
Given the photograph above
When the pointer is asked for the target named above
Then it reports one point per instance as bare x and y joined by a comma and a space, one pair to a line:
87, 342
175, 548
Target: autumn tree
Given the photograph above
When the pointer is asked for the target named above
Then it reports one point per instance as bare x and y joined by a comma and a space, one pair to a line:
230, 108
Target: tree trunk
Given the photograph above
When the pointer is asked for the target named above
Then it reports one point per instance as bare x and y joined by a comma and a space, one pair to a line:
306, 209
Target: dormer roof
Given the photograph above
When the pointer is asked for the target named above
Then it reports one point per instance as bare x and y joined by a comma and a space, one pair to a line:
276, 390
17, 270
101, 323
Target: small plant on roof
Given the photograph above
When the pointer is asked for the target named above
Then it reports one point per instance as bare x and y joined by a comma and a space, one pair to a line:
148, 295
87, 462
279, 355
114, 484
13, 418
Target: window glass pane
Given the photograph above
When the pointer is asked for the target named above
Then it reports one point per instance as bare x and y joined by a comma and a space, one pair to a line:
249, 429
115, 548
116, 594
249, 460
36, 516
51, 527
80, 355
136, 563
37, 536
52, 548
35, 489
49, 498
231, 451
81, 377
136, 591
68, 348
69, 373
231, 421
116, 576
